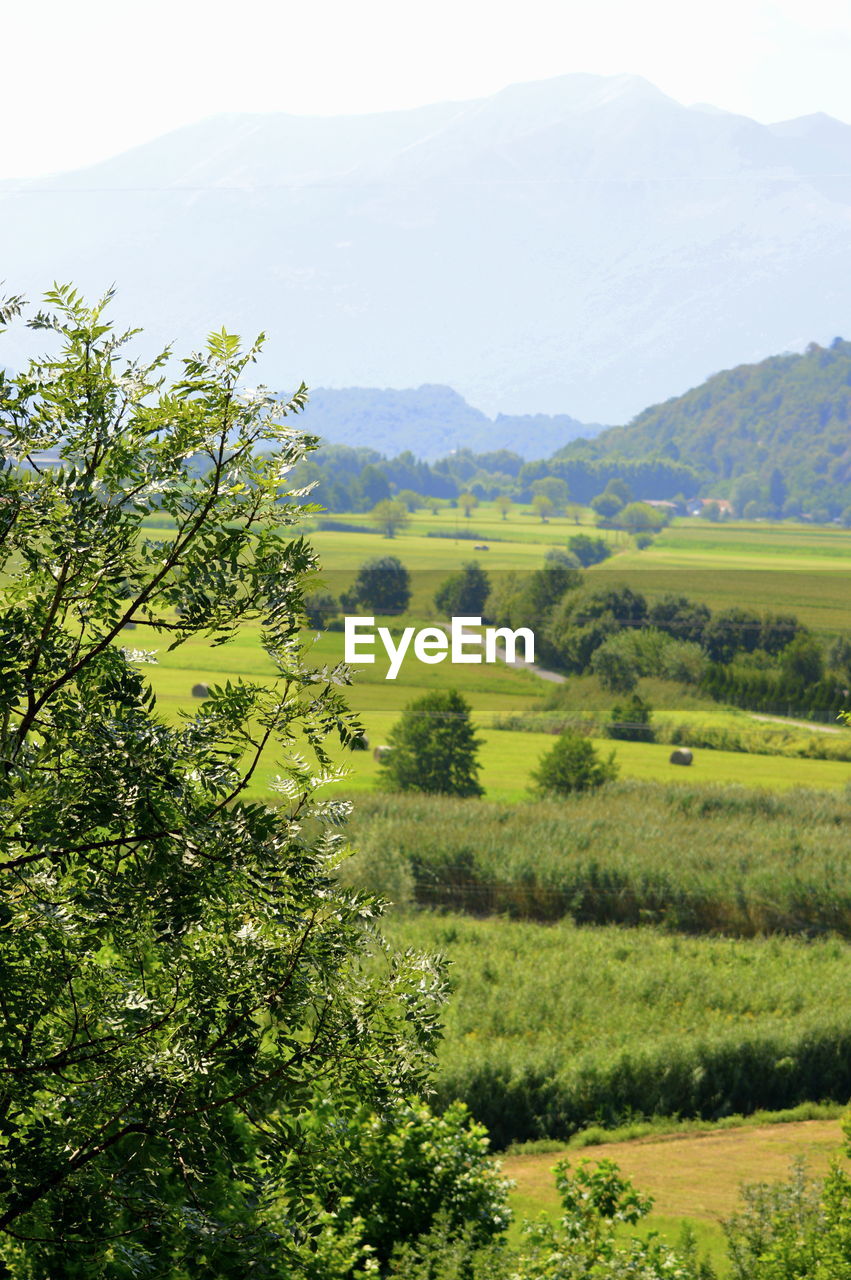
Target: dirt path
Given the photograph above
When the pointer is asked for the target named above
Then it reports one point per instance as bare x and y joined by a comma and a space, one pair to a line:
799, 724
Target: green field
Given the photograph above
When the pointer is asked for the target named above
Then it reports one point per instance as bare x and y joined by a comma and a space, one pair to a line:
689, 859
550, 1029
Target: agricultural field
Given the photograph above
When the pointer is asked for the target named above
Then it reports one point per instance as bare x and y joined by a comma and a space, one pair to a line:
688, 859
551, 1029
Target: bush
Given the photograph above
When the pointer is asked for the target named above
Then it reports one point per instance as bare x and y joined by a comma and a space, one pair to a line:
630, 721
382, 585
411, 1167
464, 593
588, 550
434, 748
573, 765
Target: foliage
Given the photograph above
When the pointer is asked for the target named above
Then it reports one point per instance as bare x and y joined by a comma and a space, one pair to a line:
630, 721
572, 764
382, 585
637, 853
793, 409
179, 972
552, 1029
389, 516
319, 608
638, 517
410, 1168
434, 747
467, 501
799, 1229
464, 593
598, 1204
588, 550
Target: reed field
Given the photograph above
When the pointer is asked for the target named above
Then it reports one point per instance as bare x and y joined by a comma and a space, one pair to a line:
685, 858
550, 1029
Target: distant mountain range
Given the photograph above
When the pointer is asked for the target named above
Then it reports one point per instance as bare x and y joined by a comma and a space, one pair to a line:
431, 422
582, 245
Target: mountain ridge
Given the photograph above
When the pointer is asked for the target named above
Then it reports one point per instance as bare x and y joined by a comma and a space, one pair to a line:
584, 243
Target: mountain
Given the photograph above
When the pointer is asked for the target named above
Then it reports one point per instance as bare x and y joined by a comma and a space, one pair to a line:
787, 417
584, 244
431, 422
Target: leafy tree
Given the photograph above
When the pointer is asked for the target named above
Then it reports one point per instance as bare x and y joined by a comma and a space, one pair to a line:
630, 721
572, 764
680, 617
639, 517
616, 663
732, 631
504, 505
544, 507
607, 504
464, 593
382, 585
409, 1167
467, 501
370, 487
588, 550
179, 971
802, 660
433, 747
389, 516
554, 488
411, 500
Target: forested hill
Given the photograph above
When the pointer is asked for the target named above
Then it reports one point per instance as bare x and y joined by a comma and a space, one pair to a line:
777, 433
432, 421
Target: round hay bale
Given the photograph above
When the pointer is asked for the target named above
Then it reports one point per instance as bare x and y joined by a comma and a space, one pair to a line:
200, 691
381, 754
360, 744
682, 755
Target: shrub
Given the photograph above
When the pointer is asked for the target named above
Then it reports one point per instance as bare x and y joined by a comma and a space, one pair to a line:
434, 747
410, 1168
630, 721
464, 593
382, 585
573, 764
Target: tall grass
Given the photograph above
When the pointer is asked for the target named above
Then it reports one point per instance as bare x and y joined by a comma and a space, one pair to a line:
694, 859
552, 1029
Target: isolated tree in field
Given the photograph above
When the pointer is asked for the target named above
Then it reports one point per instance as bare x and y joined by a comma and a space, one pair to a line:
572, 764
434, 747
185, 1020
504, 505
382, 585
467, 501
554, 488
544, 507
389, 516
463, 594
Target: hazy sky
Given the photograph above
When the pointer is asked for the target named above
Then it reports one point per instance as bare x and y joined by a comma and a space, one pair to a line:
87, 78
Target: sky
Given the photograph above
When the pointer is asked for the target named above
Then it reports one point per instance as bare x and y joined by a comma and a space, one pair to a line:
88, 79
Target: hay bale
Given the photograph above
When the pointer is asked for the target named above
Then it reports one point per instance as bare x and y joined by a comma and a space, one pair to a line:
360, 744
381, 754
682, 755
200, 691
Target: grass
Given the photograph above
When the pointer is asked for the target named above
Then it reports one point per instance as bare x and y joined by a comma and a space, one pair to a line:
693, 1178
553, 1028
687, 858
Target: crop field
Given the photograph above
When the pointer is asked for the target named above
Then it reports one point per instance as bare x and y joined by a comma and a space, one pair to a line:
686, 858
551, 1029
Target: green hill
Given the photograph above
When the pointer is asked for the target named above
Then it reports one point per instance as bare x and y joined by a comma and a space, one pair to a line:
776, 434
